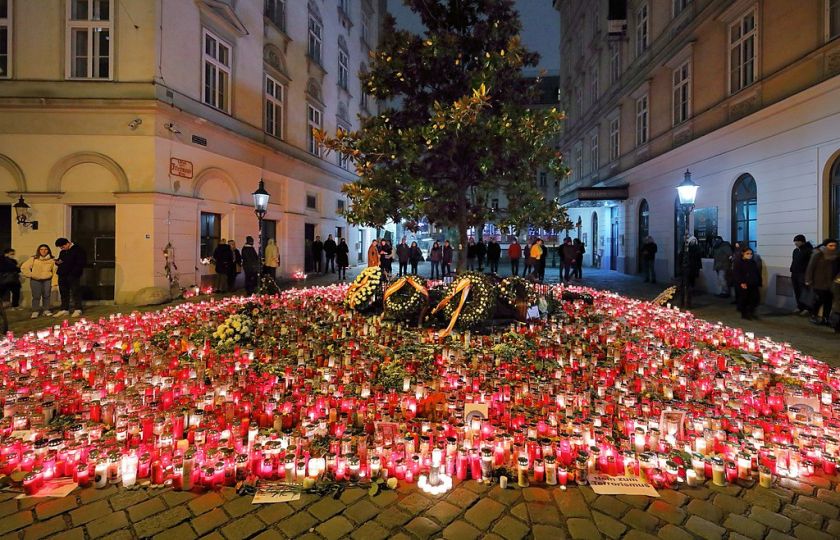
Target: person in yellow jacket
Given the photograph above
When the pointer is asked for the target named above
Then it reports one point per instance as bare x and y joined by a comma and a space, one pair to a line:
537, 256
40, 269
272, 259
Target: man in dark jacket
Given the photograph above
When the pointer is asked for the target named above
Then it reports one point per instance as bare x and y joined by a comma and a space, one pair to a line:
250, 265
568, 254
494, 253
798, 266
580, 249
71, 263
821, 270
480, 253
403, 254
330, 250
747, 277
317, 253
648, 256
10, 277
722, 254
446, 259
223, 259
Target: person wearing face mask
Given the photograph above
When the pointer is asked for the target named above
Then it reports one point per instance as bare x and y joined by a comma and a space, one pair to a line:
747, 278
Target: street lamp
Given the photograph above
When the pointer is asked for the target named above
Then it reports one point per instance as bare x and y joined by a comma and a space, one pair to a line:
261, 197
687, 192
22, 214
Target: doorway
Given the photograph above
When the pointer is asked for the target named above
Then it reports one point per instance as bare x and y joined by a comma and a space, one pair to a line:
5, 226
614, 238
94, 229
308, 238
834, 201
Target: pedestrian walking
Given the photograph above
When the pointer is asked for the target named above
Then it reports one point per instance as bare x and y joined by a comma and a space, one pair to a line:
480, 253
446, 259
568, 254
747, 277
271, 259
435, 258
40, 269
648, 255
71, 264
329, 252
514, 254
580, 249
222, 261
235, 268
471, 254
494, 253
10, 278
403, 254
799, 260
819, 275
342, 258
415, 257
250, 265
722, 255
317, 254
373, 253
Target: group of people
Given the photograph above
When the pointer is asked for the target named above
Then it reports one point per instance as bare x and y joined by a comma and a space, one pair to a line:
230, 262
382, 254
330, 255
44, 272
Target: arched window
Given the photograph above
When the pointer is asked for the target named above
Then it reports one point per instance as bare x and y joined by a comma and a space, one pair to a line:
644, 225
834, 210
745, 211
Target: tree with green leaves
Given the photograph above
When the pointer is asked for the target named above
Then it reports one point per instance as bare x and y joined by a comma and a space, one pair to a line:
463, 127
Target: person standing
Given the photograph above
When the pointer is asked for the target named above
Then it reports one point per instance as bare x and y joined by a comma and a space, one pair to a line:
800, 258
819, 274
223, 260
722, 255
71, 264
695, 263
747, 278
317, 254
529, 262
403, 253
329, 251
446, 259
272, 259
342, 258
580, 249
514, 254
386, 257
10, 278
235, 268
415, 255
568, 254
250, 265
40, 269
648, 256
471, 254
536, 258
435, 257
494, 253
373, 253
480, 253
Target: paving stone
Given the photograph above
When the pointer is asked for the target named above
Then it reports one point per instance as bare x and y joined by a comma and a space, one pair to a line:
242, 528
443, 512
361, 511
327, 507
174, 498
415, 503
461, 530
667, 512
534, 494
510, 528
583, 529
394, 517
637, 501
272, 513
547, 532
818, 481
53, 507
89, 512
370, 531
270, 534
91, 494
611, 527
229, 493
462, 498
673, 497
211, 520
746, 526
520, 511
476, 487
505, 496
352, 495
73, 534
823, 508
385, 498
672, 532
571, 503
833, 528
145, 509
776, 535
42, 529
162, 521
401, 536
639, 519
181, 532
30, 502
831, 497
798, 487
306, 499
543, 512
610, 505
705, 510
697, 492
10, 507
242, 505
422, 527
335, 528
205, 503
635, 534
483, 513
730, 504
801, 515
805, 532
764, 497
728, 489
737, 536
704, 528
297, 524
128, 497
215, 535
771, 519
107, 524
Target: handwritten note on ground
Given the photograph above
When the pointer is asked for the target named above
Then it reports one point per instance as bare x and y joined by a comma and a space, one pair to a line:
620, 485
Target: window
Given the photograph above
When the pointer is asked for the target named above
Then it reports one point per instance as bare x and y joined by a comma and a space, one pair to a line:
543, 179
312, 202
642, 120
745, 211
833, 18
494, 204
343, 161
594, 83
273, 107
89, 44
314, 46
216, 77
594, 155
344, 5
5, 38
834, 210
615, 127
742, 52
679, 6
275, 11
366, 27
579, 102
642, 29
579, 160
682, 92
343, 71
364, 102
313, 122
339, 206
211, 233
615, 62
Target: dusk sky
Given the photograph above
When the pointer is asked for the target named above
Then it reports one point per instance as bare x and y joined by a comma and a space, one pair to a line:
540, 27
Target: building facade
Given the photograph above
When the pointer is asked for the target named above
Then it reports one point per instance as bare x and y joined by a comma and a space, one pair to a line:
130, 126
745, 94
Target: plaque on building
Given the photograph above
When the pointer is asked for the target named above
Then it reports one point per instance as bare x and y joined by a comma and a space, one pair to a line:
180, 167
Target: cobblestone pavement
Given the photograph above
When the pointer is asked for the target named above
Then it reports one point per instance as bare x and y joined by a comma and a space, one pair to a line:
807, 510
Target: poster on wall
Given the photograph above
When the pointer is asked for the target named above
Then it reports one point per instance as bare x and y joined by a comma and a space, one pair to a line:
705, 228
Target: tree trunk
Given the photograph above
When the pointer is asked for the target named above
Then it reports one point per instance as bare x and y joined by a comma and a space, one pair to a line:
462, 231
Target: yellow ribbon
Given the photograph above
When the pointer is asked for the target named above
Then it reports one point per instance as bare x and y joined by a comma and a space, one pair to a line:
399, 285
355, 286
463, 285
